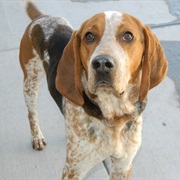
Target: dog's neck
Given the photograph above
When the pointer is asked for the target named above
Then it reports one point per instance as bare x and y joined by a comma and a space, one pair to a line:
112, 112
111, 107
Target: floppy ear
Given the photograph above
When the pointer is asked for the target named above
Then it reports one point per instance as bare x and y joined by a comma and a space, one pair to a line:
68, 78
154, 65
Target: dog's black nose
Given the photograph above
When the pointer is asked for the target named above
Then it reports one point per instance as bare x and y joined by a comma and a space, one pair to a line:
103, 63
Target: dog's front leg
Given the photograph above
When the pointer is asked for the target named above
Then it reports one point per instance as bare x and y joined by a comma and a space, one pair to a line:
82, 154
85, 142
120, 170
77, 159
130, 138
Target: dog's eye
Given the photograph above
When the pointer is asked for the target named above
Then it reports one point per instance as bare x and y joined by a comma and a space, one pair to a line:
89, 37
127, 36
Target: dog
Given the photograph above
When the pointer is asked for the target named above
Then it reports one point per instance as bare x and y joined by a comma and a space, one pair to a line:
99, 76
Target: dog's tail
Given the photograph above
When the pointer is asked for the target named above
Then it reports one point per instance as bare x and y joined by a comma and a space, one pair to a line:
32, 11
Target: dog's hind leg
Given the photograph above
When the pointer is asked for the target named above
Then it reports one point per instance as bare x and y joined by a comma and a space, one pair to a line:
33, 74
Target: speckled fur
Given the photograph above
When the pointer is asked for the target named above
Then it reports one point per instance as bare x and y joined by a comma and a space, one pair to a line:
92, 141
34, 74
89, 140
34, 54
115, 128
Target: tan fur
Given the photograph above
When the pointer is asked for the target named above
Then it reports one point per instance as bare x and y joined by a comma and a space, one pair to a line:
70, 62
155, 65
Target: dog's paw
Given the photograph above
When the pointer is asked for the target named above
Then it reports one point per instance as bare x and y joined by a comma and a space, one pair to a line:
38, 143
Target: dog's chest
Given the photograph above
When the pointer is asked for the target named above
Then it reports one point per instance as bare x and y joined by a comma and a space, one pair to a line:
92, 134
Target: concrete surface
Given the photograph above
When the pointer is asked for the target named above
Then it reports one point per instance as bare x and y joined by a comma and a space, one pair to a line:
159, 155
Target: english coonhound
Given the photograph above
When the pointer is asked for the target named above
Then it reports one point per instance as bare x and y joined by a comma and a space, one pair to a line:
99, 76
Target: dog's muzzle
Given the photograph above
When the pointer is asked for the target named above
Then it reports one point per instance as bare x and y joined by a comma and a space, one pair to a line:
103, 65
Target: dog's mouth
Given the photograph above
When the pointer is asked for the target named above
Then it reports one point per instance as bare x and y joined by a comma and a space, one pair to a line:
103, 86
106, 85
103, 83
103, 80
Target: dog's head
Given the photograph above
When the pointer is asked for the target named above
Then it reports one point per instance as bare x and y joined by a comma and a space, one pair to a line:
113, 49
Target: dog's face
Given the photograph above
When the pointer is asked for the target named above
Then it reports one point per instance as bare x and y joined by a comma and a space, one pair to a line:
114, 50
111, 50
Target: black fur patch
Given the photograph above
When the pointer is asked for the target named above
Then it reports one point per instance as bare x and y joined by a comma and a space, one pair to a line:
55, 47
91, 109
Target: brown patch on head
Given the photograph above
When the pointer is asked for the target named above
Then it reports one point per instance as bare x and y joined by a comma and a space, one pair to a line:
134, 48
92, 28
144, 52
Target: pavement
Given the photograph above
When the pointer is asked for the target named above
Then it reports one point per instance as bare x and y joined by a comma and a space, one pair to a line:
159, 155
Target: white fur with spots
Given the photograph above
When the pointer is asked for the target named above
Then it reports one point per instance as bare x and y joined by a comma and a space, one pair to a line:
89, 141
34, 74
